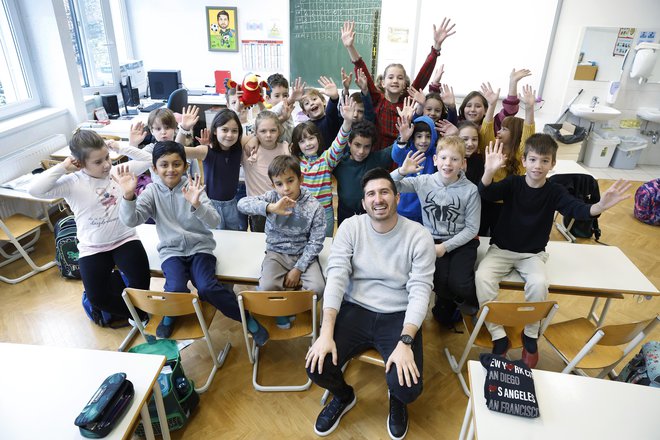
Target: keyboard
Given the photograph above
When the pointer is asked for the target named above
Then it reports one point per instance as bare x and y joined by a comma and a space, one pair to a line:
151, 107
196, 92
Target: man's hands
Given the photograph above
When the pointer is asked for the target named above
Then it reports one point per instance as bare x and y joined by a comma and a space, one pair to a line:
406, 369
316, 354
193, 190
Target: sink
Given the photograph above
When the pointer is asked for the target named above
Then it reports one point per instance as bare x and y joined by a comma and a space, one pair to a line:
594, 114
649, 114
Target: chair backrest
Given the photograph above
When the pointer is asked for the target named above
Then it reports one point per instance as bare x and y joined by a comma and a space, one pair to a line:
278, 303
619, 334
516, 314
178, 100
162, 303
48, 163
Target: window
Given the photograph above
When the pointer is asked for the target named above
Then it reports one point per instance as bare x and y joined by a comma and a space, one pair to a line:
93, 38
17, 93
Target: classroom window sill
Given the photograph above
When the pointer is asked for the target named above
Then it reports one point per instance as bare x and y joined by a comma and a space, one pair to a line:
29, 119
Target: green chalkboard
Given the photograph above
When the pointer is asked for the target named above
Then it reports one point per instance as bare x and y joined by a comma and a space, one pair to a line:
316, 47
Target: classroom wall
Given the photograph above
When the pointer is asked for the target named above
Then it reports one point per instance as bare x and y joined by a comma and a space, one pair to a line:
171, 34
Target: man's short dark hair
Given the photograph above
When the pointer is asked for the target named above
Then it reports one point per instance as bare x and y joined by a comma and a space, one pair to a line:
281, 164
375, 174
542, 144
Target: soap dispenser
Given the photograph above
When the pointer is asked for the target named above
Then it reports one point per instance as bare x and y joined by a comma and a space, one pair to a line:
646, 55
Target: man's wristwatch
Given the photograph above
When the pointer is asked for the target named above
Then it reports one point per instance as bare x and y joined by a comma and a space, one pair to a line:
406, 339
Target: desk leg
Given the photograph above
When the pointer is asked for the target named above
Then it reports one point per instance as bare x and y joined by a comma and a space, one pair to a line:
599, 320
606, 307
467, 420
592, 310
44, 208
146, 421
162, 416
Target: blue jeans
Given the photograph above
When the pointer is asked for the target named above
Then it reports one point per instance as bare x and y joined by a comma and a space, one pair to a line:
200, 269
358, 329
329, 222
230, 218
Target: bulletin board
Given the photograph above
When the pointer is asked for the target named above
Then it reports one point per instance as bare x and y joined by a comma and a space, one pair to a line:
316, 47
491, 39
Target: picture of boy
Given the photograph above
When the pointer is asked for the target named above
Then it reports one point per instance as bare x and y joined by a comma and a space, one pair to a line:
451, 210
523, 229
295, 231
181, 209
353, 167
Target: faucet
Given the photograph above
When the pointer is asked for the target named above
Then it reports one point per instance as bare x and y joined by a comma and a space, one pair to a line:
654, 136
594, 102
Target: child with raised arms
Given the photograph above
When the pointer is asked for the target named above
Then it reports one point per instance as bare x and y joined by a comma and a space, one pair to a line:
451, 209
394, 81
181, 209
84, 181
317, 165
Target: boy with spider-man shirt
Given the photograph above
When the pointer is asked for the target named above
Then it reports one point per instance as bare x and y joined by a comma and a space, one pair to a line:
451, 210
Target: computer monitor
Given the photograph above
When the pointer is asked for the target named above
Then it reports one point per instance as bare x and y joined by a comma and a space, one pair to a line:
163, 82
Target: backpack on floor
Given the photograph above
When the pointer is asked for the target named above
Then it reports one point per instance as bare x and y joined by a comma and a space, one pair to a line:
101, 317
66, 247
644, 368
647, 203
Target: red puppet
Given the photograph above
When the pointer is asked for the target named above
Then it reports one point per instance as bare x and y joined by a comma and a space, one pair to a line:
251, 87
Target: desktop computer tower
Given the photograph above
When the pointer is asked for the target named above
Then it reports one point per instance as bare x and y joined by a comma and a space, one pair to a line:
163, 82
111, 105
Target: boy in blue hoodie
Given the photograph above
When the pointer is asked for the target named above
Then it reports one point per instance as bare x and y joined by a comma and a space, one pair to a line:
418, 136
183, 215
451, 210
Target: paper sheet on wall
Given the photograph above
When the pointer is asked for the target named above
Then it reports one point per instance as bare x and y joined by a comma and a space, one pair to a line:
262, 55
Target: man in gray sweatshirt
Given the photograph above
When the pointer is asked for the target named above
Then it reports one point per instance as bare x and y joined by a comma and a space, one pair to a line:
379, 281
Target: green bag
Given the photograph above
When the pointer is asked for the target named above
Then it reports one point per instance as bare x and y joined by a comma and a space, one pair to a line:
179, 395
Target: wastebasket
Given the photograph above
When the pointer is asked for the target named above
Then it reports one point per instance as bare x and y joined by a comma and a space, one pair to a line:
553, 130
600, 149
627, 152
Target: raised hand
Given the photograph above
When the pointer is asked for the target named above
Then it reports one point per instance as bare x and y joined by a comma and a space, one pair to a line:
362, 82
193, 190
329, 87
528, 96
437, 74
346, 80
297, 90
495, 159
283, 206
71, 164
137, 134
517, 75
412, 164
417, 95
204, 137
405, 127
112, 145
348, 33
189, 117
441, 33
447, 95
446, 128
126, 180
287, 108
490, 95
613, 195
347, 108
408, 108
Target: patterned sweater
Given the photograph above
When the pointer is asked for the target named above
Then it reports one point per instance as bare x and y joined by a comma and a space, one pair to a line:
317, 170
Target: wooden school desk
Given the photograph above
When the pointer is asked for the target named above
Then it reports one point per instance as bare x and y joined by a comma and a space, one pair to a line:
239, 254
44, 389
571, 407
45, 204
586, 270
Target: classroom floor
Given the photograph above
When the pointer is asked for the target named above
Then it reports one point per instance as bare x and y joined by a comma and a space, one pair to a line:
45, 309
642, 173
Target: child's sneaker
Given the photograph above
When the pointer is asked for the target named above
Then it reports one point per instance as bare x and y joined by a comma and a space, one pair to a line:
283, 322
166, 327
258, 332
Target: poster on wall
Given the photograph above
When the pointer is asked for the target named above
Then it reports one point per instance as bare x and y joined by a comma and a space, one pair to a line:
222, 29
623, 41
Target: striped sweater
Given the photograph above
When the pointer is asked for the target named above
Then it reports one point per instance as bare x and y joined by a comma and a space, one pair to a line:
317, 170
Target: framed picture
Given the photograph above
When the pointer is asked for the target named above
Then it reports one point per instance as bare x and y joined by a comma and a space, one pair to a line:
222, 28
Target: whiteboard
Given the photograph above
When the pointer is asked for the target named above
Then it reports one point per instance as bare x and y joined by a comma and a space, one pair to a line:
491, 39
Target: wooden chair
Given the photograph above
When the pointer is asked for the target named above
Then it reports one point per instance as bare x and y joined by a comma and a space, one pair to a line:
191, 323
514, 316
370, 356
49, 163
264, 306
582, 345
14, 229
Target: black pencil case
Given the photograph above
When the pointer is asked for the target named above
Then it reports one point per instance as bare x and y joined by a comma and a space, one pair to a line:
106, 407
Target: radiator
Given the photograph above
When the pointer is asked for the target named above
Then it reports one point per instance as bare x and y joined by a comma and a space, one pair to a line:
24, 161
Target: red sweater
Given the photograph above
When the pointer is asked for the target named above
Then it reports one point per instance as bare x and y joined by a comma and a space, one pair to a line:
386, 111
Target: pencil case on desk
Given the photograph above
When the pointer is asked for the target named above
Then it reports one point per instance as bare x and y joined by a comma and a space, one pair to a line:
106, 407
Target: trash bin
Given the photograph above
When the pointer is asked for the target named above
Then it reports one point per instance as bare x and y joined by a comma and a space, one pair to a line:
600, 149
553, 130
627, 152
